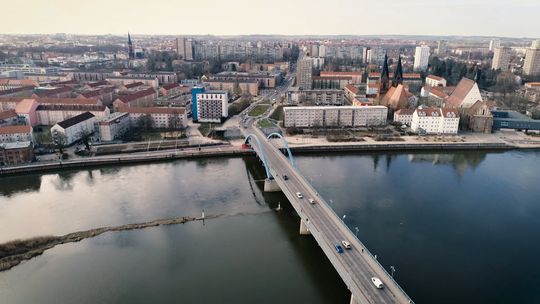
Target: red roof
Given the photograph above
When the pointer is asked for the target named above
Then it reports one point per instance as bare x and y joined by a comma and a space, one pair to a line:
15, 129
136, 95
151, 110
170, 86
133, 85
352, 88
434, 77
8, 114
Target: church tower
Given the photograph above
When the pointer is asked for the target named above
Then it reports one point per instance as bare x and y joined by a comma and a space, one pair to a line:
398, 75
385, 77
131, 53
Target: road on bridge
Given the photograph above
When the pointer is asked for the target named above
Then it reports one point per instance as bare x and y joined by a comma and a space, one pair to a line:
356, 266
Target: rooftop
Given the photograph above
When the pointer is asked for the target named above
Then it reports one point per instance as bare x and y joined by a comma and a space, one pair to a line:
15, 129
75, 120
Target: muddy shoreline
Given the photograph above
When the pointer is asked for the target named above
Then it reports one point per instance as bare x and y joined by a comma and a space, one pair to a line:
14, 252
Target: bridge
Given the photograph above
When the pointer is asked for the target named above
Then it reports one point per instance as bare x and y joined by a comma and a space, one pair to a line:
356, 265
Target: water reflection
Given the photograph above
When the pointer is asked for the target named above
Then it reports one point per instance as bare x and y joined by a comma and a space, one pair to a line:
25, 183
459, 161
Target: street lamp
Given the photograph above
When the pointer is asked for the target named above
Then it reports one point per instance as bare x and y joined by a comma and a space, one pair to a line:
356, 228
344, 216
392, 269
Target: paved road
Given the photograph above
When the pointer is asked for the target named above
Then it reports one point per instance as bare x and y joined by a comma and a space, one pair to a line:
356, 266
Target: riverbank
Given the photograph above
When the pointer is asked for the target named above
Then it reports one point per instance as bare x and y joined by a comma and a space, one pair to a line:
14, 252
298, 144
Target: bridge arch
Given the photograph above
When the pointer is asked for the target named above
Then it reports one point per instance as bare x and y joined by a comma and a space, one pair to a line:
291, 159
263, 156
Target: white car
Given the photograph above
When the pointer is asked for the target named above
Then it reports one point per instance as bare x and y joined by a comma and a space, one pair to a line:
311, 201
346, 244
299, 195
377, 282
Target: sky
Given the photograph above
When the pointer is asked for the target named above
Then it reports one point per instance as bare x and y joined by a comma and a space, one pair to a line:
502, 18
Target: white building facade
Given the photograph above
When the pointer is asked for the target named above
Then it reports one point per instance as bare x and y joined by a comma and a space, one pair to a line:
335, 116
212, 106
435, 121
75, 127
114, 126
421, 58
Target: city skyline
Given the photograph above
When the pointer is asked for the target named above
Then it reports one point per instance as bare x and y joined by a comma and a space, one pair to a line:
241, 17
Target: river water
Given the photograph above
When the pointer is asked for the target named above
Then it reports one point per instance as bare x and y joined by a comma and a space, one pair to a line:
460, 227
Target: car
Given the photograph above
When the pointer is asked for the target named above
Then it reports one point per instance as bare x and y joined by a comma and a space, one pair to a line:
299, 195
339, 249
285, 177
311, 201
346, 244
377, 282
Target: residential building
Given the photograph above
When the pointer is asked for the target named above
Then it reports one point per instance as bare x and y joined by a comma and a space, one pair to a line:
104, 94
158, 117
250, 86
53, 113
114, 126
421, 58
356, 77
531, 90
170, 89
332, 82
8, 118
532, 61
184, 47
435, 81
75, 128
334, 116
147, 80
16, 133
442, 47
464, 95
404, 116
351, 92
316, 97
494, 43
318, 62
15, 153
435, 121
62, 92
137, 99
501, 58
304, 73
212, 106
26, 110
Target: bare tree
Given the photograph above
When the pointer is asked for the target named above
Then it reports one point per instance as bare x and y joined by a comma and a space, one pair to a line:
59, 140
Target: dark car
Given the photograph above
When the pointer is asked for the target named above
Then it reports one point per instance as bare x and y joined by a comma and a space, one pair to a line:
339, 249
285, 177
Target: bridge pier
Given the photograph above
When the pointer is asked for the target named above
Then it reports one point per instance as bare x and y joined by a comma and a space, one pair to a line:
353, 299
304, 230
270, 185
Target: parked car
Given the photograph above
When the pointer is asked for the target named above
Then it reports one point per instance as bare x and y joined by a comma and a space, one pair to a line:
346, 244
311, 201
339, 249
299, 195
377, 282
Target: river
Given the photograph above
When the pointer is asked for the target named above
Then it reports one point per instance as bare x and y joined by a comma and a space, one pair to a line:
459, 227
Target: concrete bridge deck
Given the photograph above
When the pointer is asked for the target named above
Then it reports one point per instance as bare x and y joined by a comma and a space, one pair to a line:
357, 265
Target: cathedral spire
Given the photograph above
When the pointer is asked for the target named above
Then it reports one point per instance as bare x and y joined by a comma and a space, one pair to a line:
130, 48
385, 76
398, 75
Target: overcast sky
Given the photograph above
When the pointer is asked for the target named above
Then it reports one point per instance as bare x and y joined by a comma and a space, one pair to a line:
511, 18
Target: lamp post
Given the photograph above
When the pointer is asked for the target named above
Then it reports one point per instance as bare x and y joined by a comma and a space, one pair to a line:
356, 229
344, 216
392, 269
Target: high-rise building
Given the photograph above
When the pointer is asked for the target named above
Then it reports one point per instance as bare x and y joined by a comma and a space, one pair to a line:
493, 44
501, 58
184, 47
442, 47
376, 56
421, 58
314, 50
532, 61
535, 44
305, 67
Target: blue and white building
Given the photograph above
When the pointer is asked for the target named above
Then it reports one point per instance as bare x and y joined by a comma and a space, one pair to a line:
209, 105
